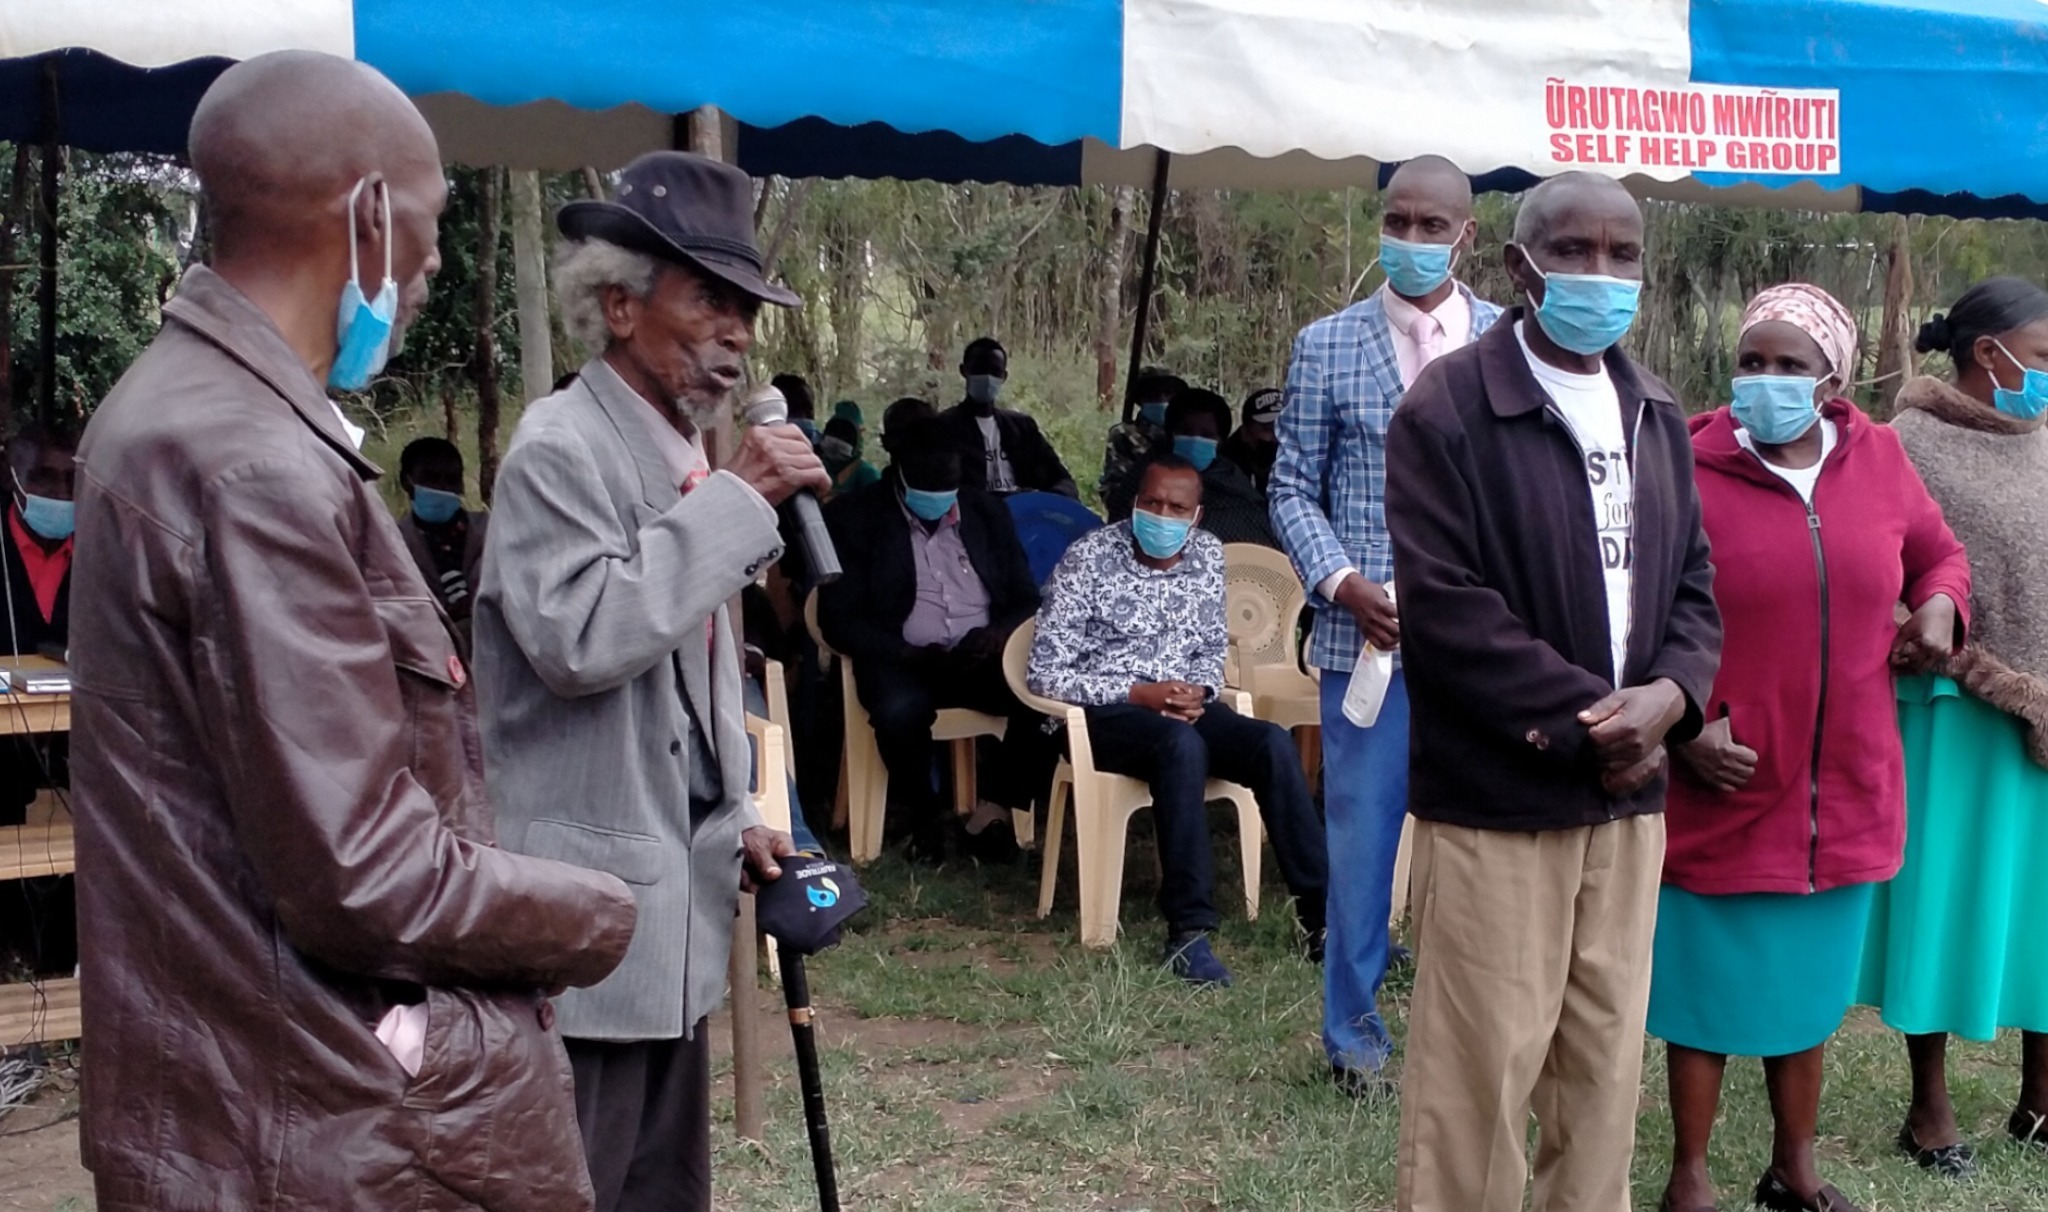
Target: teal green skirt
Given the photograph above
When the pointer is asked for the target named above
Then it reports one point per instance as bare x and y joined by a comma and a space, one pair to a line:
1958, 943
1756, 974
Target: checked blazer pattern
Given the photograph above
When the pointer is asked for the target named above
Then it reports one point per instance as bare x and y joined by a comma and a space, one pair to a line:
1328, 492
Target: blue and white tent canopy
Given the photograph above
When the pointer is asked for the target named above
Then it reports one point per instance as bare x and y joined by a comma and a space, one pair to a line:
1887, 104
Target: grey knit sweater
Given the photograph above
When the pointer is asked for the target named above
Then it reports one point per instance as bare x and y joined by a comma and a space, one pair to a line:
1989, 473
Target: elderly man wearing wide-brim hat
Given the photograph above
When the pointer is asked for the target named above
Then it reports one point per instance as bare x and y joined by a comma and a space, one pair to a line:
607, 666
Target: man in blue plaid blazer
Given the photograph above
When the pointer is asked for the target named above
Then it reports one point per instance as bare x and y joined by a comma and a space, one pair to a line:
1347, 375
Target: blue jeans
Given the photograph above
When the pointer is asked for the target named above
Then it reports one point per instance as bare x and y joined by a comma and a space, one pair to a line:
1365, 799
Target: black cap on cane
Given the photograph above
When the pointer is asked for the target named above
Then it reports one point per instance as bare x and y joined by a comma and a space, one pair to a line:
804, 908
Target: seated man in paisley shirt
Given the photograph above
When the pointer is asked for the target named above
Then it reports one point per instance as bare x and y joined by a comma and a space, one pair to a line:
1132, 629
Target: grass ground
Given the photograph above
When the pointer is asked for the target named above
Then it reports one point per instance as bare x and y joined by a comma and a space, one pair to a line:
979, 1059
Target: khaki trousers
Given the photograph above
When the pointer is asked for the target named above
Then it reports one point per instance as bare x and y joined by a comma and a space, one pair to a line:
1531, 987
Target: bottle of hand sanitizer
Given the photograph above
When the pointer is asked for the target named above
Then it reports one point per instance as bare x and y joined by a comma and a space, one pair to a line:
1369, 681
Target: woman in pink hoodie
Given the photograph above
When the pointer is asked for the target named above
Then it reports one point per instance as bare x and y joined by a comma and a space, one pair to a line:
1791, 805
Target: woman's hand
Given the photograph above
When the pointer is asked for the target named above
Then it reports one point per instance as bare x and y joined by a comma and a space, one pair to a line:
1716, 761
1927, 638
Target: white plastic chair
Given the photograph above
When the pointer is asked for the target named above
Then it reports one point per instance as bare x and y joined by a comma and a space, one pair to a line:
1263, 600
771, 780
1103, 806
865, 780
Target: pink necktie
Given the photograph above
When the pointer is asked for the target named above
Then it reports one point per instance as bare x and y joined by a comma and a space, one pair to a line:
1428, 333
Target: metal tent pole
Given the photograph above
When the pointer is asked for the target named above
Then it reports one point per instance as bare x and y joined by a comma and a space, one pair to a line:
1146, 275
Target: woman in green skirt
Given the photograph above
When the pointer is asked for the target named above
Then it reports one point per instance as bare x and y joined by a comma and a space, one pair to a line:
1790, 806
1956, 945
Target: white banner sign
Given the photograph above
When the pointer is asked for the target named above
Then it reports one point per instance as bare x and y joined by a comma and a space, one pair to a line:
1693, 128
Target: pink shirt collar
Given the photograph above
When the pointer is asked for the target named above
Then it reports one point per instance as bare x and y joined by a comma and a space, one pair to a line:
1454, 313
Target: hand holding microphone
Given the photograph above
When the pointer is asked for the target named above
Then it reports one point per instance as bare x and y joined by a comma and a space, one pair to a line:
776, 460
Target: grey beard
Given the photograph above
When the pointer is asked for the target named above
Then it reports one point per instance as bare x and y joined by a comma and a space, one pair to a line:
705, 416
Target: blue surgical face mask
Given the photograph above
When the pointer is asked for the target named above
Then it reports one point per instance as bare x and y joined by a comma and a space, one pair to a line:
927, 505
983, 389
1160, 537
1586, 313
1154, 413
362, 328
808, 428
433, 506
1775, 409
48, 517
1199, 451
2032, 397
835, 451
1412, 269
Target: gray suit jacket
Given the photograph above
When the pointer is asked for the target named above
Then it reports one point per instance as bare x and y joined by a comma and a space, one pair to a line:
590, 636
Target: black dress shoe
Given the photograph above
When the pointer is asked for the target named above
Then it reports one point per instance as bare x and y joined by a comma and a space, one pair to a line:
1957, 1161
926, 848
1772, 1194
995, 846
1364, 1085
1665, 1205
2028, 1128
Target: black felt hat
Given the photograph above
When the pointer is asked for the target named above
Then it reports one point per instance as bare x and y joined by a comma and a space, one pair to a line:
684, 208
804, 908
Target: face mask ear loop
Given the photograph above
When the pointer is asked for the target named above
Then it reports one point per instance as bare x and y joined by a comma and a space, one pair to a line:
355, 271
385, 189
2017, 364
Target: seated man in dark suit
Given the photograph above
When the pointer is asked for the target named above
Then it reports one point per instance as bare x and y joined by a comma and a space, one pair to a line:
935, 581
1001, 450
39, 933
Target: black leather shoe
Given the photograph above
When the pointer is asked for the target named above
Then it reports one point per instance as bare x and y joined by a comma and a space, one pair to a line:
2028, 1128
994, 846
1957, 1161
1772, 1194
1364, 1085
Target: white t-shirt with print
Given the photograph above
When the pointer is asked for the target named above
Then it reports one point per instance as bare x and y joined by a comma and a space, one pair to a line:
1000, 477
1592, 410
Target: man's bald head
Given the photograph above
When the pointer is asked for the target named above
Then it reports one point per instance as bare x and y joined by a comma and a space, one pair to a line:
278, 136
1568, 193
1435, 179
1429, 201
280, 142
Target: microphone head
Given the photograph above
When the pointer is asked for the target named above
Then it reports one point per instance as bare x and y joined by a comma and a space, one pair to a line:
765, 406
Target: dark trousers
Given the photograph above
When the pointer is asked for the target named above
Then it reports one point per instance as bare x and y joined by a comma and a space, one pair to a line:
1177, 759
903, 702
644, 1109
38, 917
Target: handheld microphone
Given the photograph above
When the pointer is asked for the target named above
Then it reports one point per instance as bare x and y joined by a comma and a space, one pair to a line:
767, 407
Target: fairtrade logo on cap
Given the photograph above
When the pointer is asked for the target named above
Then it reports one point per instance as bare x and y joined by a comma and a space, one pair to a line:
802, 910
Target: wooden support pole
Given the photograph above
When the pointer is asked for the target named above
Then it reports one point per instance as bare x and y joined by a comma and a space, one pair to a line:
743, 974
48, 235
1895, 330
483, 366
1146, 276
530, 281
14, 210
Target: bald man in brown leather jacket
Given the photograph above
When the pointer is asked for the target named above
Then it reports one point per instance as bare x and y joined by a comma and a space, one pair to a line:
311, 980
